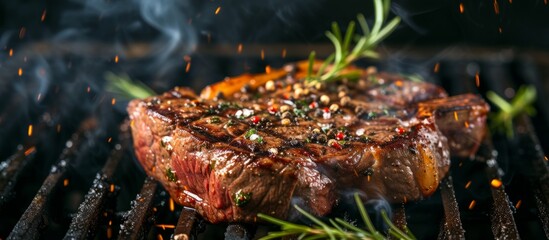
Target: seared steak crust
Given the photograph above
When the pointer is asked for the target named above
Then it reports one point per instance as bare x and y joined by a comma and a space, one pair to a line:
259, 149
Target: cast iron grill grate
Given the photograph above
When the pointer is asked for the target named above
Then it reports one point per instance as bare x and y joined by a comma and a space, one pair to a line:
111, 198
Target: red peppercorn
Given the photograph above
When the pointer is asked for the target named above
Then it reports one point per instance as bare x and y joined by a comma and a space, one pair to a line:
326, 110
336, 145
313, 105
400, 130
255, 119
340, 136
272, 110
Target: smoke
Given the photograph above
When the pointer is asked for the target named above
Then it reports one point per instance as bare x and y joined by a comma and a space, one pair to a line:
55, 55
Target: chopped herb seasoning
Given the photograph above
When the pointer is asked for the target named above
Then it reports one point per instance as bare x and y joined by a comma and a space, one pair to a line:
250, 132
242, 198
252, 135
170, 175
229, 123
215, 120
300, 113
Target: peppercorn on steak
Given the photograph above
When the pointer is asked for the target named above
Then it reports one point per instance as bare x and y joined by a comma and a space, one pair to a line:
257, 143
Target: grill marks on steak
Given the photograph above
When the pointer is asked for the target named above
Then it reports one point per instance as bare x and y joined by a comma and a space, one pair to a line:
389, 143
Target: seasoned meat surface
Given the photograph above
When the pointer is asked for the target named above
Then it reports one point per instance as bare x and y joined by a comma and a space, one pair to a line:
258, 143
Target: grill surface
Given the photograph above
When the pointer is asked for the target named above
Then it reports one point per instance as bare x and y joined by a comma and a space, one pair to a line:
77, 181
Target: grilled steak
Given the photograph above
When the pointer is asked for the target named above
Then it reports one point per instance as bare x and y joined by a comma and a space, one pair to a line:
255, 144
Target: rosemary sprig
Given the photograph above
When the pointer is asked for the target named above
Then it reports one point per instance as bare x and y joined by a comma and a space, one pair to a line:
502, 121
364, 45
123, 86
336, 229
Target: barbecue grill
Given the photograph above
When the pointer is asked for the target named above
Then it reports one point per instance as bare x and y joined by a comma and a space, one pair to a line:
67, 164
73, 176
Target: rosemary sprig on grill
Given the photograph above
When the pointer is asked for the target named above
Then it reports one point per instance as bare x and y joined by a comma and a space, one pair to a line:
336, 229
502, 121
364, 44
122, 85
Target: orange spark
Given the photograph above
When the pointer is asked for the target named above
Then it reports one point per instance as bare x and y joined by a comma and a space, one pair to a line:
496, 7
262, 54
116, 59
461, 8
456, 116
267, 69
545, 1
113, 101
109, 140
159, 237
217, 10
436, 68
172, 205
472, 204
495, 183
468, 184
369, 178
29, 130
109, 232
477, 79
546, 159
164, 226
11, 52
510, 1
284, 53
188, 67
43, 15
22, 32
30, 150
517, 206
500, 30
66, 182
111, 188
239, 49
466, 124
20, 72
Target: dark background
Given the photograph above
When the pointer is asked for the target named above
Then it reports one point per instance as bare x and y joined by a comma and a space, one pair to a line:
426, 22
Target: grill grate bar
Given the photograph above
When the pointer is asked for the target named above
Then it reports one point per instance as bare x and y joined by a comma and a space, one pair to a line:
539, 169
11, 169
451, 228
28, 226
238, 232
84, 223
137, 220
501, 215
186, 225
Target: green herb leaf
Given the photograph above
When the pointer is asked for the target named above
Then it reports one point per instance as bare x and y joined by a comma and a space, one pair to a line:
364, 45
502, 121
170, 175
335, 229
250, 132
242, 198
123, 86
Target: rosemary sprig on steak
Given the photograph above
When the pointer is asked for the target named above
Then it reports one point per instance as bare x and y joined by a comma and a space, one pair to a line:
364, 44
522, 103
337, 229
